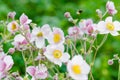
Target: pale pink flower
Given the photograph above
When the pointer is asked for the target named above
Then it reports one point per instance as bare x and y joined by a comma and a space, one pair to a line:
87, 26
111, 8
20, 42
24, 22
40, 34
24, 19
57, 36
13, 26
56, 54
11, 14
75, 32
6, 64
38, 72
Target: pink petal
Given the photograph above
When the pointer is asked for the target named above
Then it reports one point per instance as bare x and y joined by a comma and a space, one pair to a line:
23, 19
31, 70
2, 66
9, 62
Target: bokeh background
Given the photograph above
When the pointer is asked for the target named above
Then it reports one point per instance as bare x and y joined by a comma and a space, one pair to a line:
52, 12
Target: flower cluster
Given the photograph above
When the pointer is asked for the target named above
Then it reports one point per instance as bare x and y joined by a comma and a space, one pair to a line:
45, 50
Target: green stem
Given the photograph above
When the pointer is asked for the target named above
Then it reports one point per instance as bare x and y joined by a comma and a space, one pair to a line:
102, 42
24, 61
91, 76
104, 14
31, 52
74, 48
91, 45
119, 72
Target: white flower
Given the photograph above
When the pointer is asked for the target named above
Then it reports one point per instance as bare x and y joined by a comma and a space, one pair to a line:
55, 53
107, 26
12, 26
39, 35
57, 36
78, 69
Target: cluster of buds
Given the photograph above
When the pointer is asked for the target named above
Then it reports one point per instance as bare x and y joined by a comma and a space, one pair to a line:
115, 57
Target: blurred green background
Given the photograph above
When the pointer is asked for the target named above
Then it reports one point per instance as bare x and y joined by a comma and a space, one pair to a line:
52, 12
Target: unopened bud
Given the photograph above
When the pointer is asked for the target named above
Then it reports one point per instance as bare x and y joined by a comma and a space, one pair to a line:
119, 61
67, 15
110, 62
116, 56
99, 12
11, 50
70, 19
11, 15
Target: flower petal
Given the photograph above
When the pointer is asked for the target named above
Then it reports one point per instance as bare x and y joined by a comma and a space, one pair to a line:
65, 57
40, 43
108, 19
2, 66
114, 33
31, 70
9, 62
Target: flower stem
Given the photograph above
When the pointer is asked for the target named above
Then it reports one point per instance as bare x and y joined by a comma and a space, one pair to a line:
102, 42
91, 45
104, 13
24, 62
74, 48
31, 52
119, 72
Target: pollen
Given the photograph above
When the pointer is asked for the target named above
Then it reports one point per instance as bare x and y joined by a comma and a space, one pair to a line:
57, 54
110, 26
39, 34
57, 38
76, 69
14, 27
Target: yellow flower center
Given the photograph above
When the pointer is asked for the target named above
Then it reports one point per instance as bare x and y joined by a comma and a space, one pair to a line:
110, 26
40, 34
76, 69
57, 38
57, 53
14, 27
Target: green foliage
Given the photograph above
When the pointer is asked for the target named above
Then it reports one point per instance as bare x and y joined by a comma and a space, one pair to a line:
52, 12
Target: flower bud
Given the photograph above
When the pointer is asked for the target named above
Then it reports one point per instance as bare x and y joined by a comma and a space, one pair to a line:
119, 61
11, 50
55, 77
111, 8
99, 12
11, 15
67, 15
110, 62
116, 56
70, 19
